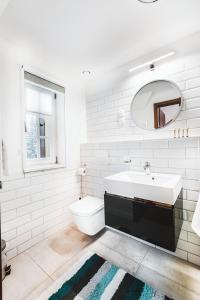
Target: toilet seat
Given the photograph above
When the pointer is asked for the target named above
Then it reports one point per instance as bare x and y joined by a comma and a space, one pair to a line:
87, 206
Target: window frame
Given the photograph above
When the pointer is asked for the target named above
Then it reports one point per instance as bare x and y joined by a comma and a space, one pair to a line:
51, 162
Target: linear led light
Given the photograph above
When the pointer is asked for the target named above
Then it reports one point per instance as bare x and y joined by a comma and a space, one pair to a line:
147, 1
148, 63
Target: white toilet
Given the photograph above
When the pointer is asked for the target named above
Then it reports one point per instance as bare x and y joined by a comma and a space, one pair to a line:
88, 214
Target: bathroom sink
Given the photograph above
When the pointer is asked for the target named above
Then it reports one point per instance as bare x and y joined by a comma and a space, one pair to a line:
162, 188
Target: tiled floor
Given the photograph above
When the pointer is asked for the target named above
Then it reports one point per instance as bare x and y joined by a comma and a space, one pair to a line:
37, 269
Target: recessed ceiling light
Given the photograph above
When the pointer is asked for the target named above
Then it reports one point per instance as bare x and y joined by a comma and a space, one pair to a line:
86, 72
147, 1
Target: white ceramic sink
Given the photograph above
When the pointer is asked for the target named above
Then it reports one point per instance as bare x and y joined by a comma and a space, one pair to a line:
162, 188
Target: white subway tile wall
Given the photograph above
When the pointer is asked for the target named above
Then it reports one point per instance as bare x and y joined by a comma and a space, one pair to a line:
103, 110
110, 141
36, 206
103, 159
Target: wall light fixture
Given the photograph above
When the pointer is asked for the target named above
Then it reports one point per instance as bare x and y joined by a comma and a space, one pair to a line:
152, 62
147, 1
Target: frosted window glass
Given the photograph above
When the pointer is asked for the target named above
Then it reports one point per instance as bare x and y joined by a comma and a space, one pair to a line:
31, 136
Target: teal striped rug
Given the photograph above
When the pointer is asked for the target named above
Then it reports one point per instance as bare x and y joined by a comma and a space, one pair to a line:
98, 279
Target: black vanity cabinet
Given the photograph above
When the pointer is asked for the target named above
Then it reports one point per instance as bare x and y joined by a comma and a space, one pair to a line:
156, 223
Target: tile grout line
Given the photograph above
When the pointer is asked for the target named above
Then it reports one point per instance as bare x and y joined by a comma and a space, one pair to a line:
140, 264
124, 256
166, 276
177, 283
104, 244
39, 266
50, 275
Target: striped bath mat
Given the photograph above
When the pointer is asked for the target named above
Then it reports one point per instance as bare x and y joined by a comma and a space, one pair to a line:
97, 278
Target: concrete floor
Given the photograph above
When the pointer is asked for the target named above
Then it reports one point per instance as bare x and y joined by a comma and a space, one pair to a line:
40, 267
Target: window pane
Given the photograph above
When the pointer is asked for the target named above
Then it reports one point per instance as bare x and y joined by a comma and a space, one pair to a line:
42, 126
47, 144
31, 136
44, 148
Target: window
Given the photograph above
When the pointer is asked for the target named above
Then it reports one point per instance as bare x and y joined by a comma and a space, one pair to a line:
44, 123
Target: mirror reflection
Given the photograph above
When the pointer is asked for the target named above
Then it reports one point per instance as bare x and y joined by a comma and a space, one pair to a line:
156, 105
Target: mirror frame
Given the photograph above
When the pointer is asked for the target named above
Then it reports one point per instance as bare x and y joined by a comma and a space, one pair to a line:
175, 116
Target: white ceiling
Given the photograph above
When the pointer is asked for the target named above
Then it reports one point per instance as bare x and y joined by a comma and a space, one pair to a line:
99, 34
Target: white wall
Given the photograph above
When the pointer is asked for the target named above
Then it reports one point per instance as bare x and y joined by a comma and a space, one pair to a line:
36, 204
110, 142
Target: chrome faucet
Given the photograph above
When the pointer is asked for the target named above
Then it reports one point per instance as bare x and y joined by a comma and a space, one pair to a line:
147, 168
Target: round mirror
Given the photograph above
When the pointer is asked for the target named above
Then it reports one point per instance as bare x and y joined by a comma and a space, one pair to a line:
156, 105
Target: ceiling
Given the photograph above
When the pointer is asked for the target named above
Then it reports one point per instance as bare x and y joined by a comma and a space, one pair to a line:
98, 34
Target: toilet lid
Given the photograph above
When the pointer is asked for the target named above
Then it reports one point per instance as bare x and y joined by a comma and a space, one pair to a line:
87, 206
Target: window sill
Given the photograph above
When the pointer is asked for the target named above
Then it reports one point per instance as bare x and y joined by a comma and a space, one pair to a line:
43, 168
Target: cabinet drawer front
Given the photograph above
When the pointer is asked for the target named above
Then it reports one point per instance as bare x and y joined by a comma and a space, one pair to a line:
153, 224
118, 213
